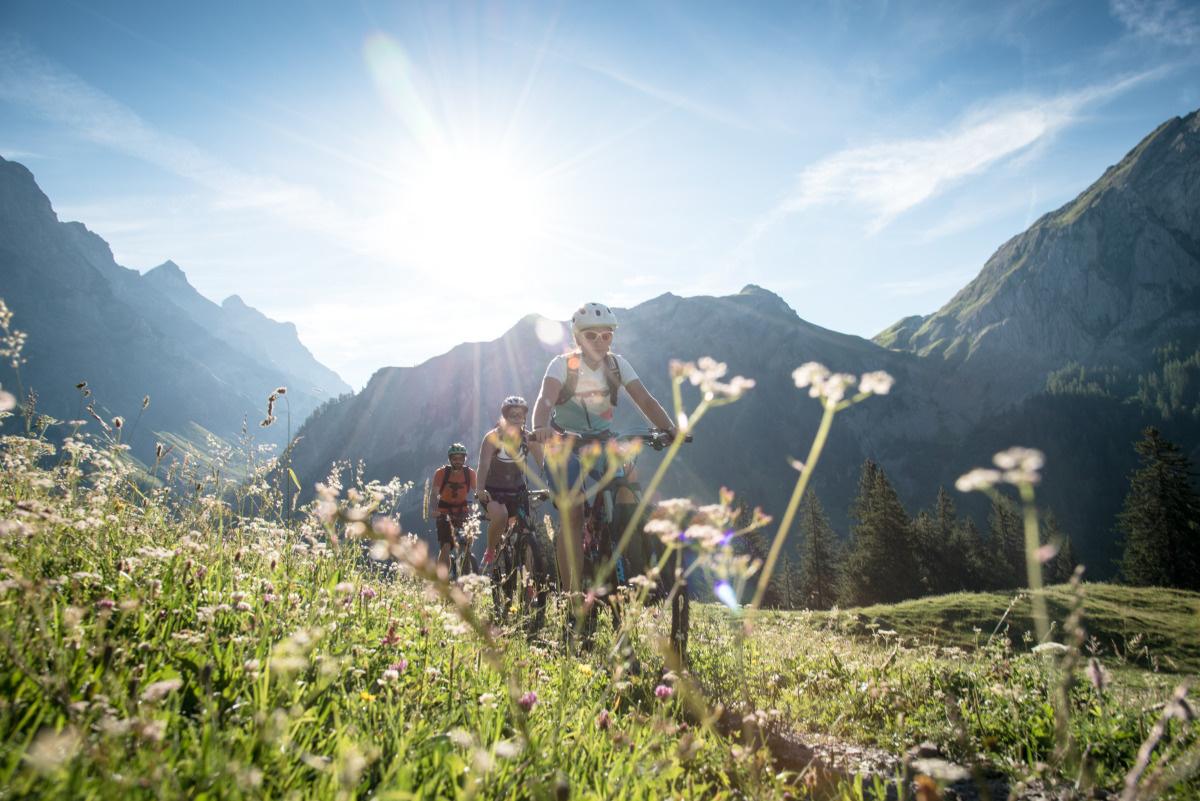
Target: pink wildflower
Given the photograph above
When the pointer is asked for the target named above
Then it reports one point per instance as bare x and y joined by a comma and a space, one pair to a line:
391, 638
528, 700
663, 692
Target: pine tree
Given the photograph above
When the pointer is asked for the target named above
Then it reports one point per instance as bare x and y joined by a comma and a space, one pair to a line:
1161, 517
757, 544
972, 574
927, 550
881, 565
1062, 565
946, 547
820, 557
1006, 543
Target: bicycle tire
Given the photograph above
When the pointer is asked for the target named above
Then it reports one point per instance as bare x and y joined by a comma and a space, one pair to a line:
680, 609
501, 576
531, 560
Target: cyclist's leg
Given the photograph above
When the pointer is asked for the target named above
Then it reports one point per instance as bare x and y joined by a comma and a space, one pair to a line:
627, 497
445, 540
497, 514
568, 545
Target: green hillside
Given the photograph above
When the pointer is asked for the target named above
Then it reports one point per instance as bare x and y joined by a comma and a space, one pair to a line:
1147, 626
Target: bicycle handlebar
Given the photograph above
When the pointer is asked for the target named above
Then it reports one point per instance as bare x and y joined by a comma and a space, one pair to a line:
656, 438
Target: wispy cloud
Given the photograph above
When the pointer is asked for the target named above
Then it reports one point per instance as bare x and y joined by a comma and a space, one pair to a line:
667, 97
30, 80
889, 178
17, 154
1168, 20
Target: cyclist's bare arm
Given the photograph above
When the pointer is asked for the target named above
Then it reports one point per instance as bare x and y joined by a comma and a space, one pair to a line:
543, 408
431, 503
649, 405
535, 451
487, 449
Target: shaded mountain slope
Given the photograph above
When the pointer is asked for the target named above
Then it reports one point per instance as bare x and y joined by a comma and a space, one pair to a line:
1103, 280
88, 318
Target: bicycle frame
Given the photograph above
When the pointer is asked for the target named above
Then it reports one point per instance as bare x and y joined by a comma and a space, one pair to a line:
517, 569
462, 561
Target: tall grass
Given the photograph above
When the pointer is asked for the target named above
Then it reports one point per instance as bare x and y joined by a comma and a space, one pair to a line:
202, 644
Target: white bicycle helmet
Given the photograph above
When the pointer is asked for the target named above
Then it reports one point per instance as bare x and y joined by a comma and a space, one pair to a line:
593, 315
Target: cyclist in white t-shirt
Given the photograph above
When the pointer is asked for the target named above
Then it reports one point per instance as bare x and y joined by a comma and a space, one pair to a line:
578, 396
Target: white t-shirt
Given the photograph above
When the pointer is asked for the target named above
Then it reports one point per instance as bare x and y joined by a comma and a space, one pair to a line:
590, 411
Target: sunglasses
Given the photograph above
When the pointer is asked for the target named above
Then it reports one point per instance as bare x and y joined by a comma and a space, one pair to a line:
602, 336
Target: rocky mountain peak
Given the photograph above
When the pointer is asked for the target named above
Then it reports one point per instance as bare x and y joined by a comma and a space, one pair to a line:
766, 299
169, 271
21, 200
1104, 279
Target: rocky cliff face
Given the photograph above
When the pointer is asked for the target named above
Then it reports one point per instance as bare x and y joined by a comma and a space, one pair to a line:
89, 318
1102, 280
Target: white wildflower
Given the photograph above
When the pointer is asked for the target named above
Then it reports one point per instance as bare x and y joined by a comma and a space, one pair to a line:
810, 373
707, 537
876, 383
160, 690
980, 478
51, 749
1020, 465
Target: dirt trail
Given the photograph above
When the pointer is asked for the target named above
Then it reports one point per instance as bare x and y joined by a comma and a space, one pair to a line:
825, 762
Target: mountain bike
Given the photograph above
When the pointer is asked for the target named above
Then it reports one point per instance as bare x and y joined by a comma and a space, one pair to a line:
462, 559
604, 521
520, 574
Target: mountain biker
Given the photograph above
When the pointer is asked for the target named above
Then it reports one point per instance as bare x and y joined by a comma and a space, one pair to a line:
450, 489
501, 476
579, 393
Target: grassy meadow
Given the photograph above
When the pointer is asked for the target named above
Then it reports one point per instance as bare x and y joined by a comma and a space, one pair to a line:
154, 645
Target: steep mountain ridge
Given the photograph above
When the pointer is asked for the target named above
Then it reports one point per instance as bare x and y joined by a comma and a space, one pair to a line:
1102, 280
89, 318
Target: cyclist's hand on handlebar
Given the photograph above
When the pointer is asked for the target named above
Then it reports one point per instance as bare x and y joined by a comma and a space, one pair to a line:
674, 434
484, 497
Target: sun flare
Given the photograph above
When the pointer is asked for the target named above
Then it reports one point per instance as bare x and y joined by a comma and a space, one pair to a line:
474, 211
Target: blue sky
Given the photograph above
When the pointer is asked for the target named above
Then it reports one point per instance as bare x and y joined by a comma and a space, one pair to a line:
397, 178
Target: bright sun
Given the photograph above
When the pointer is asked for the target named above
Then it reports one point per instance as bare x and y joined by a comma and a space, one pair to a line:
473, 211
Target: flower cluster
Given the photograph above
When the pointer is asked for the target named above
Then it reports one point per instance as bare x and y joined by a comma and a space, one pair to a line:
706, 373
1017, 466
832, 388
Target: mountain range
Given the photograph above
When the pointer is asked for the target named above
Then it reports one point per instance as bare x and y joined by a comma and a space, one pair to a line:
1076, 334
205, 367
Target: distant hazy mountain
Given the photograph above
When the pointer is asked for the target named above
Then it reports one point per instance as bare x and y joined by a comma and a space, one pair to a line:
1063, 342
129, 335
270, 342
1104, 280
